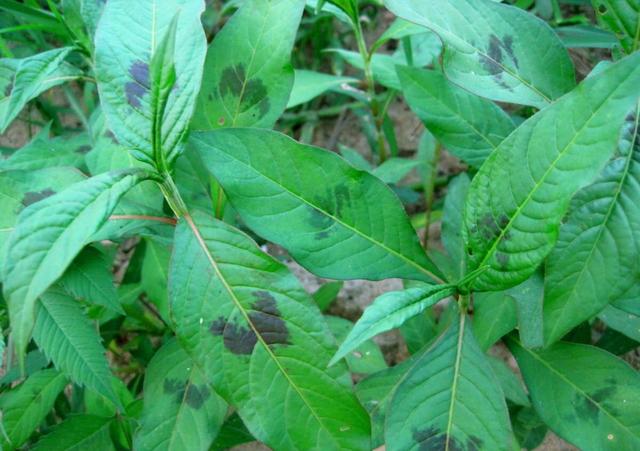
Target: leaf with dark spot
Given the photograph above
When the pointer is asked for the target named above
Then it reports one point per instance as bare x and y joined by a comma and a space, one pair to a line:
172, 386
247, 93
134, 93
197, 395
266, 319
32, 197
83, 150
140, 72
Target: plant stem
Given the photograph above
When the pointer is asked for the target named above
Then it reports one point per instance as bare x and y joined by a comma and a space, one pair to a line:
429, 194
170, 221
77, 109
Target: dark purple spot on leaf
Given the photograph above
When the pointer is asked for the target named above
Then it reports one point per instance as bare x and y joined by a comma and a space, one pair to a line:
134, 93
221, 121
237, 339
250, 93
508, 46
8, 89
503, 260
83, 150
140, 72
432, 439
267, 321
32, 197
196, 395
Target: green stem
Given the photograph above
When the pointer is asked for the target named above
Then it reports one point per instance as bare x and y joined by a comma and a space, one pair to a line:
172, 195
77, 109
429, 191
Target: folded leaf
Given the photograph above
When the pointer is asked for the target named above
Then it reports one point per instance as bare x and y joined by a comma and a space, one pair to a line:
25, 406
521, 193
449, 399
126, 40
469, 126
586, 395
78, 433
24, 79
181, 410
338, 222
494, 50
48, 236
70, 340
261, 340
596, 258
248, 74
389, 311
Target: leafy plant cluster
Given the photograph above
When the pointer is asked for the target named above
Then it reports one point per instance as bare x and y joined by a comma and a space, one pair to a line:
161, 161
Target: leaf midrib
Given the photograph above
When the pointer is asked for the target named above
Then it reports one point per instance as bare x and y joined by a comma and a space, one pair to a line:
236, 301
454, 385
340, 222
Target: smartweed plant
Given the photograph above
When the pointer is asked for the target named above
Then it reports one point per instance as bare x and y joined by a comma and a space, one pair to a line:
140, 312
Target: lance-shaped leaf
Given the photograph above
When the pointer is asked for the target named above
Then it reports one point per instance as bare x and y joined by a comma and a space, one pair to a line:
309, 84
495, 50
128, 35
48, 236
262, 341
70, 340
469, 126
24, 79
248, 75
450, 399
24, 407
586, 395
338, 222
596, 258
181, 410
452, 221
623, 18
521, 193
78, 433
389, 311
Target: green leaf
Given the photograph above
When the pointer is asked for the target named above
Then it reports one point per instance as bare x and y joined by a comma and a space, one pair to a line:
48, 236
585, 36
586, 395
449, 399
366, 358
78, 433
389, 311
181, 410
89, 278
596, 258
248, 75
232, 433
493, 50
22, 80
528, 428
494, 316
308, 85
338, 222
623, 18
469, 126
511, 385
155, 276
399, 29
624, 322
127, 38
44, 152
326, 294
521, 193
262, 341
452, 221
25, 406
69, 339
393, 170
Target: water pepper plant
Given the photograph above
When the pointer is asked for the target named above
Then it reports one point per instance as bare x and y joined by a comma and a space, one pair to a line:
146, 304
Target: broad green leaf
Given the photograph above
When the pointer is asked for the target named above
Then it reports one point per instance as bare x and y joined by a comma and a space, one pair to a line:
623, 18
89, 278
493, 50
529, 300
96, 403
24, 79
19, 189
585, 36
511, 385
418, 331
78, 433
338, 222
48, 236
308, 85
181, 410
44, 152
469, 126
596, 258
366, 358
624, 322
586, 395
494, 316
248, 75
128, 35
393, 170
521, 193
155, 276
449, 399
25, 406
389, 311
261, 340
70, 340
452, 221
